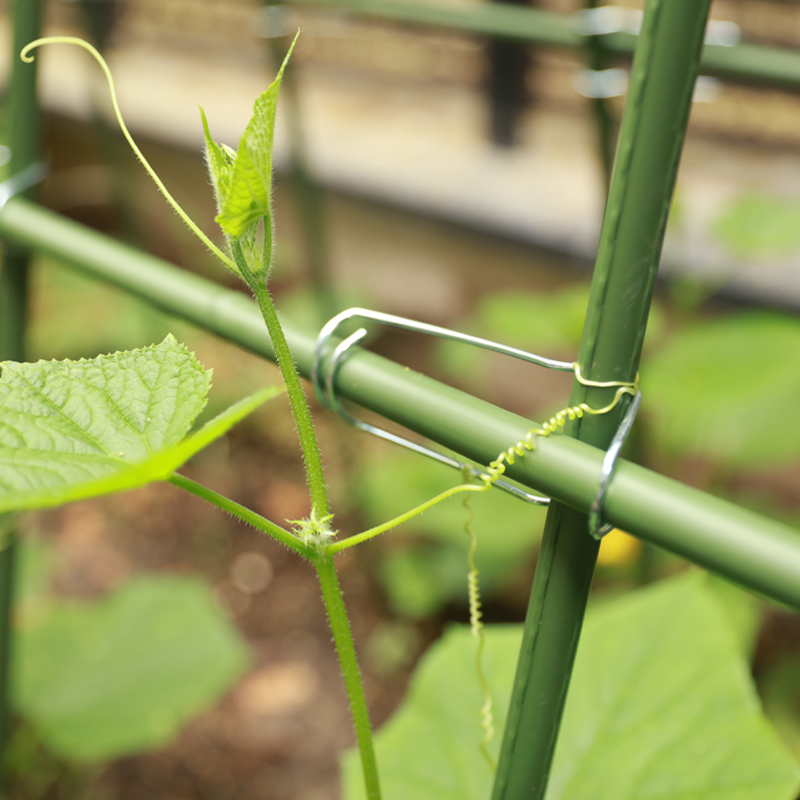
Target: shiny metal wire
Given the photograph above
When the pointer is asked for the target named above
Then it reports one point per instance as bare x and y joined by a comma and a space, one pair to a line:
596, 527
324, 386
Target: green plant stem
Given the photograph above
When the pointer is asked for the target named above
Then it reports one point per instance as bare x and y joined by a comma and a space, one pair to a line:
244, 514
322, 560
343, 638
651, 137
337, 616
337, 547
294, 389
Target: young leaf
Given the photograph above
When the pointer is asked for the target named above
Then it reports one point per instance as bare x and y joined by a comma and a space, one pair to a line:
661, 705
243, 180
76, 429
109, 678
220, 160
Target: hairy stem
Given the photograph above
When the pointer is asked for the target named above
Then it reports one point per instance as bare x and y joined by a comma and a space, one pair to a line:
343, 638
242, 513
294, 389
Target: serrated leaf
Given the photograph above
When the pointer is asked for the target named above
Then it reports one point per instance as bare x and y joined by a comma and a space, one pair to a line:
76, 429
661, 705
108, 678
220, 160
728, 389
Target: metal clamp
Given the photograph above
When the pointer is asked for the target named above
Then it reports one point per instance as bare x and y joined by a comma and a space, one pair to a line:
23, 180
324, 386
596, 527
604, 20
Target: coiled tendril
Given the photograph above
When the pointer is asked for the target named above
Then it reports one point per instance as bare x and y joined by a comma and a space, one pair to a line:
476, 626
492, 474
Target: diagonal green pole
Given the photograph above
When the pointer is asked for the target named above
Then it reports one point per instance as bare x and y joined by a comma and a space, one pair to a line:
653, 129
23, 140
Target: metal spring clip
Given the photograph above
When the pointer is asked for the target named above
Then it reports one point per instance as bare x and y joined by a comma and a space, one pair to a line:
596, 528
324, 386
25, 179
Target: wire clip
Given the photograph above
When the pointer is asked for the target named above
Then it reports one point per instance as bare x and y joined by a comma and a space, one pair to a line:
596, 527
23, 180
324, 386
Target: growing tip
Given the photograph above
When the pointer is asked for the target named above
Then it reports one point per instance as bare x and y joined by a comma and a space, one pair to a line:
28, 59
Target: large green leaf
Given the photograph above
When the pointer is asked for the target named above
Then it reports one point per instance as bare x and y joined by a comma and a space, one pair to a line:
661, 706
104, 679
76, 429
728, 388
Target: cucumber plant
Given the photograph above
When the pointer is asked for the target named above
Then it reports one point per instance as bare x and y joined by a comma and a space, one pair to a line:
73, 430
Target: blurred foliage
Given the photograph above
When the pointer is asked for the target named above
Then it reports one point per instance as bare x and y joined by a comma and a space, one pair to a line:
727, 389
671, 713
121, 674
759, 225
73, 316
549, 324
779, 686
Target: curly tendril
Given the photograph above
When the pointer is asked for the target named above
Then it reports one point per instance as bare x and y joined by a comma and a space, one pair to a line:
487, 480
476, 626
28, 59
497, 468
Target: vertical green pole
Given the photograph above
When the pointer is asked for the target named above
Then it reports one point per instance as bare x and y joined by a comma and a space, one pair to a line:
23, 140
651, 137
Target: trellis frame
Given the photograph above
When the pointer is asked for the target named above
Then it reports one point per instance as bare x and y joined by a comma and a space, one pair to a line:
758, 553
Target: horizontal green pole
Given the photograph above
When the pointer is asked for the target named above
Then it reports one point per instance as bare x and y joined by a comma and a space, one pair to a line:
746, 62
750, 549
498, 19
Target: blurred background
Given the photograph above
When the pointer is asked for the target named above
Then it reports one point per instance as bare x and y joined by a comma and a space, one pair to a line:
450, 178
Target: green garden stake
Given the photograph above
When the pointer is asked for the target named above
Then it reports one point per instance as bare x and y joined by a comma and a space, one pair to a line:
653, 128
24, 143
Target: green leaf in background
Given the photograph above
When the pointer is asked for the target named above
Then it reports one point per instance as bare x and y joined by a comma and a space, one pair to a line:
780, 687
429, 749
76, 429
661, 705
760, 225
108, 678
729, 389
